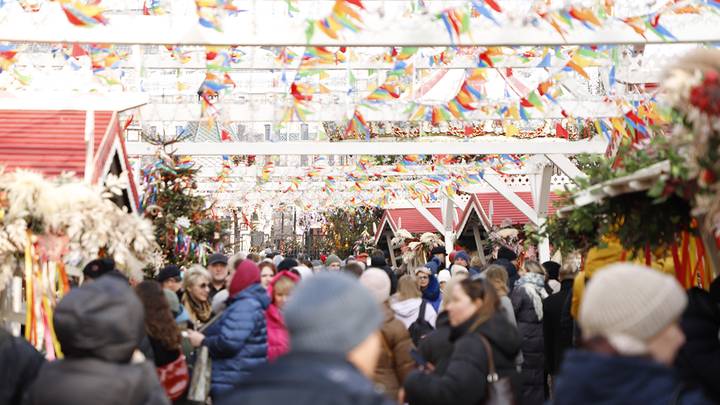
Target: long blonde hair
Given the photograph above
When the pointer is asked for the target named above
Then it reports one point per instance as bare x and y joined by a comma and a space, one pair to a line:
498, 277
407, 288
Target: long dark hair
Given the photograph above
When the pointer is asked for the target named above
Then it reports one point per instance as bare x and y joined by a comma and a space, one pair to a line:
483, 290
159, 322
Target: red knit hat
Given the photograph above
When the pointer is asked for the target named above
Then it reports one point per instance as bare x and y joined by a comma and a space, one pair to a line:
246, 274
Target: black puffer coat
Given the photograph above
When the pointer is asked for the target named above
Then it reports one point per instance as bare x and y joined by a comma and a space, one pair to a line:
558, 326
436, 347
699, 359
464, 382
533, 347
19, 365
99, 326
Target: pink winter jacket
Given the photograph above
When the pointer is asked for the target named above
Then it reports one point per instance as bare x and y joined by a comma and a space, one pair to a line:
278, 339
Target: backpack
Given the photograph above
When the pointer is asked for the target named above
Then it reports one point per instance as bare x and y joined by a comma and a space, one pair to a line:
421, 327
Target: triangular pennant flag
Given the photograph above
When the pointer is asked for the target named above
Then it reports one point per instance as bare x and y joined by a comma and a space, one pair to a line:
561, 132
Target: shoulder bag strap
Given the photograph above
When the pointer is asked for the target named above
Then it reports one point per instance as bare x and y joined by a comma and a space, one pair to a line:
492, 374
421, 316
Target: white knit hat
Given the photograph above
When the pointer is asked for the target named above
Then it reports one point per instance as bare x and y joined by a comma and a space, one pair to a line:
628, 304
457, 269
378, 282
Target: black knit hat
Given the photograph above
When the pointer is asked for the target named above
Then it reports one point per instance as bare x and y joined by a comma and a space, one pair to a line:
98, 267
505, 253
438, 250
287, 264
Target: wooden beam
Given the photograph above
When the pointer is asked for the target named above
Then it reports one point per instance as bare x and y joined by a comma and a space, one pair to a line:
71, 100
479, 244
428, 216
49, 25
566, 166
477, 146
513, 198
391, 250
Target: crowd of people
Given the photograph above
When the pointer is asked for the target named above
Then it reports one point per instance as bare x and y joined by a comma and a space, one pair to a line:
248, 329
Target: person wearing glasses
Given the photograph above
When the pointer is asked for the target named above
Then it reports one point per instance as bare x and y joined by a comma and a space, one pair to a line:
197, 295
429, 286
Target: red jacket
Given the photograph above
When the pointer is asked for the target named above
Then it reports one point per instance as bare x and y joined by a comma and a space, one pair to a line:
277, 336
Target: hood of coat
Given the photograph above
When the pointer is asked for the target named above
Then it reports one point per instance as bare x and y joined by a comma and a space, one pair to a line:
501, 334
255, 291
432, 291
271, 286
407, 309
103, 320
587, 377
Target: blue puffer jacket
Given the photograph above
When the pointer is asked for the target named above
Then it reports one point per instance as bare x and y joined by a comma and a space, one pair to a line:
593, 378
237, 342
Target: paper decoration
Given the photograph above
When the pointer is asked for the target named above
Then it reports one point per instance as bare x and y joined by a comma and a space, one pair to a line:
8, 53
211, 12
344, 15
87, 13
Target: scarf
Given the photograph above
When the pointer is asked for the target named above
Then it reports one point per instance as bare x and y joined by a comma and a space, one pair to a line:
534, 286
199, 313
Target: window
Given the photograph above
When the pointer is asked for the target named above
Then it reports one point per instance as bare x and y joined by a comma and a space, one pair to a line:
268, 128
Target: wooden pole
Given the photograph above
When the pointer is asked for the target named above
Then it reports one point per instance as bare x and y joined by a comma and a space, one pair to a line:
479, 243
392, 250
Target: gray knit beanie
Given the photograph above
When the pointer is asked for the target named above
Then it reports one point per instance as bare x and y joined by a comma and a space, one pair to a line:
332, 259
629, 304
330, 313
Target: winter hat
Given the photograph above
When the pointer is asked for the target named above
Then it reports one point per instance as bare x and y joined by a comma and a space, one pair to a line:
628, 304
305, 272
246, 274
168, 272
277, 259
177, 310
463, 255
507, 254
217, 258
425, 269
378, 282
444, 276
102, 320
438, 250
332, 259
432, 265
286, 264
314, 322
552, 269
98, 267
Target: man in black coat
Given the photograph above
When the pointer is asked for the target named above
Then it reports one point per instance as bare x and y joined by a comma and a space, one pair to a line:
699, 359
508, 259
558, 324
333, 351
19, 365
378, 260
